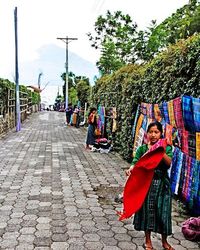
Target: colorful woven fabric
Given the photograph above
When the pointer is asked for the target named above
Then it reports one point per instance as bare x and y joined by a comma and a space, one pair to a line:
139, 181
189, 192
138, 126
188, 118
176, 170
196, 200
187, 177
157, 113
143, 108
165, 112
135, 122
196, 113
182, 176
184, 141
171, 113
178, 114
168, 133
144, 123
139, 139
198, 146
114, 119
192, 144
150, 111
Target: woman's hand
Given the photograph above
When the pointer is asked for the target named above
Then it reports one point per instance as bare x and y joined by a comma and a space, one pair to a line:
128, 171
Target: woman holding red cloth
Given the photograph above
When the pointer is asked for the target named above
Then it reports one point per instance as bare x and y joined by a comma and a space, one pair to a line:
154, 215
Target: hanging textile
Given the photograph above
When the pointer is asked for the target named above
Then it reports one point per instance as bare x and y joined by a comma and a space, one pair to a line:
165, 112
178, 112
192, 144
139, 124
171, 113
187, 113
176, 170
157, 113
114, 121
198, 146
196, 113
180, 119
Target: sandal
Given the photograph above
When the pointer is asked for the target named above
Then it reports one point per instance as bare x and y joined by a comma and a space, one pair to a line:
146, 247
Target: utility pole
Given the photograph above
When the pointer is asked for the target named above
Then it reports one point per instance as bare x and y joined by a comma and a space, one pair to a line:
66, 40
17, 102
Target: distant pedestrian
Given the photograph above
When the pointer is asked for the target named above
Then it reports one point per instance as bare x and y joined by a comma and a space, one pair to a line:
92, 124
155, 213
69, 112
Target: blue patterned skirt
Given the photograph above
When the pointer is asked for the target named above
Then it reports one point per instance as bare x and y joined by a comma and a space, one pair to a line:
155, 214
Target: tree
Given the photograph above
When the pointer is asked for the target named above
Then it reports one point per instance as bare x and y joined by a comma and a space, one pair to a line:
180, 25
78, 88
114, 37
121, 43
83, 90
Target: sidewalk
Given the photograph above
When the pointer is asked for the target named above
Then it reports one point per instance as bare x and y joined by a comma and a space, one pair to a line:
56, 195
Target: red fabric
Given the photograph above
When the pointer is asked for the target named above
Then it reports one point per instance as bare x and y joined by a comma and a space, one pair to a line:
139, 181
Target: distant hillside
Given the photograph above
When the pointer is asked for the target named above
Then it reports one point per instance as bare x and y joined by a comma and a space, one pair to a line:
51, 63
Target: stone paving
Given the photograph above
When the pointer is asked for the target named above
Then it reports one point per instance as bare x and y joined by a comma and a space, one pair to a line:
56, 195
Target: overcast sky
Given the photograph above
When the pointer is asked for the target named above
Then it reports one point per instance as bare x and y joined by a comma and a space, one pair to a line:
40, 22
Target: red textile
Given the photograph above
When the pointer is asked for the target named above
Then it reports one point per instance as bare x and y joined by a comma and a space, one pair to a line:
138, 183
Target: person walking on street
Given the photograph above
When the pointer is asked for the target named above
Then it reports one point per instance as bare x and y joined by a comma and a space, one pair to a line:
155, 212
92, 123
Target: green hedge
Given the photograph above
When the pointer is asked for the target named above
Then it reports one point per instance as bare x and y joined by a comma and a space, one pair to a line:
174, 72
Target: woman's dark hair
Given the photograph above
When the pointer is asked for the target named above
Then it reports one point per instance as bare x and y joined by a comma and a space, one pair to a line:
157, 124
92, 109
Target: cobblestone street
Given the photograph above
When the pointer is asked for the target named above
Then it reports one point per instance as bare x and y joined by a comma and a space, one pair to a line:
56, 195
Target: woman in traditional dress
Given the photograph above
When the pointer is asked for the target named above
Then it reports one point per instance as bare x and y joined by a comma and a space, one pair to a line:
155, 213
92, 123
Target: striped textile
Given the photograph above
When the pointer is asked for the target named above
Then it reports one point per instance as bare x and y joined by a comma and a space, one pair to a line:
176, 167
135, 121
189, 194
150, 111
157, 113
168, 133
184, 141
165, 113
188, 113
178, 114
144, 123
187, 177
171, 113
182, 175
198, 146
138, 126
192, 144
143, 108
196, 113
196, 200
139, 139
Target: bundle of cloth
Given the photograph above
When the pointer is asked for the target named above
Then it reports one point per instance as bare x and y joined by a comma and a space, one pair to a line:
191, 229
102, 145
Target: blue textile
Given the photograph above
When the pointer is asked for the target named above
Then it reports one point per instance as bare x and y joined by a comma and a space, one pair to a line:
187, 108
165, 112
196, 113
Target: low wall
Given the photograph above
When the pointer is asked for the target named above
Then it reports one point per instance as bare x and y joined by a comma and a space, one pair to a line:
7, 122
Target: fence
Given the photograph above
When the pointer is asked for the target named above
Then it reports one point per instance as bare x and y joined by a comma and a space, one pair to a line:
8, 109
